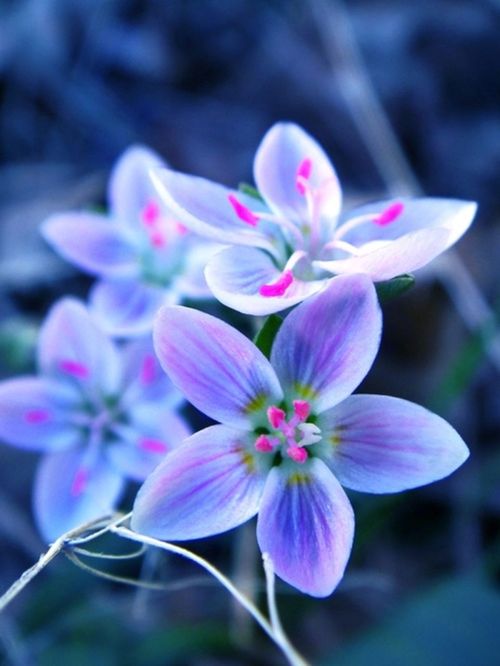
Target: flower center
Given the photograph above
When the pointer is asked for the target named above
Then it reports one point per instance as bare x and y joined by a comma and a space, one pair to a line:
289, 435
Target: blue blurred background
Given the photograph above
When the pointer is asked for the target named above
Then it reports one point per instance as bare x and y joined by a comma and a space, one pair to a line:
405, 97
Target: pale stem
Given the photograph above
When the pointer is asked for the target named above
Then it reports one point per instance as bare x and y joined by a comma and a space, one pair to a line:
353, 223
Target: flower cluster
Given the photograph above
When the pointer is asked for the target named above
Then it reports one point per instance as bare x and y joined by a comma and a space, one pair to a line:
290, 432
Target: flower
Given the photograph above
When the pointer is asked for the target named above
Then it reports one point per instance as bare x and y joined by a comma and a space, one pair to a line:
296, 239
291, 433
99, 412
142, 256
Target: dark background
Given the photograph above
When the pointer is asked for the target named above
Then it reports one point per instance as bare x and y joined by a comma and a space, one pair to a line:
405, 97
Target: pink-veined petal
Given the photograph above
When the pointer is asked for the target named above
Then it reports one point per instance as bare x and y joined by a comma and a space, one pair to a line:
35, 413
327, 344
236, 274
208, 485
306, 524
60, 505
215, 366
380, 444
278, 161
92, 242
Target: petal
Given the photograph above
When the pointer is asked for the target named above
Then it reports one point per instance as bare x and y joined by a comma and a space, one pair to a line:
147, 443
327, 344
92, 242
236, 274
306, 524
394, 257
210, 484
381, 444
57, 507
216, 367
71, 345
130, 187
192, 283
277, 161
35, 413
127, 308
204, 207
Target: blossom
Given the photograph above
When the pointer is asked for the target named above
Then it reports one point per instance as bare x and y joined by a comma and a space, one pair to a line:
290, 433
100, 413
142, 256
290, 244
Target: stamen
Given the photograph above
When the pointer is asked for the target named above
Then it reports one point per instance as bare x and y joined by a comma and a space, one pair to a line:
80, 481
263, 444
75, 368
152, 445
303, 174
35, 416
150, 214
276, 416
302, 409
297, 454
389, 214
244, 213
279, 287
148, 369
157, 238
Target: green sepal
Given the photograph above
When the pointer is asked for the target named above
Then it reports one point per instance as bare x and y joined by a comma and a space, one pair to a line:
390, 289
264, 339
250, 191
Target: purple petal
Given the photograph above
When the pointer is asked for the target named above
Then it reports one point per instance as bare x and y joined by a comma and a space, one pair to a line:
306, 524
236, 274
204, 207
72, 346
327, 344
35, 413
394, 257
216, 367
277, 163
60, 504
92, 242
127, 308
379, 444
147, 442
130, 186
210, 484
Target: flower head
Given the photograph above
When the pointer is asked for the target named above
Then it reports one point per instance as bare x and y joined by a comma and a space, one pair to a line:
142, 255
99, 412
290, 433
296, 239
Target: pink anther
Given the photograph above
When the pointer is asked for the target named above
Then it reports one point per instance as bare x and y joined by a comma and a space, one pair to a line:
157, 238
303, 174
244, 213
263, 444
35, 416
297, 453
302, 409
389, 214
80, 481
276, 416
150, 214
152, 445
279, 287
75, 368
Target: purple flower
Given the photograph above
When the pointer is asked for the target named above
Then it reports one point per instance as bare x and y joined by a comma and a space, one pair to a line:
296, 239
291, 433
142, 256
100, 413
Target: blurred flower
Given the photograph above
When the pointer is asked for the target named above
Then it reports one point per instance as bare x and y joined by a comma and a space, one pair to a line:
295, 238
291, 435
142, 255
100, 413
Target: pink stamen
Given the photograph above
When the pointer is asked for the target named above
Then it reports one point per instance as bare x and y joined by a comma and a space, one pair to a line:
263, 444
80, 481
181, 229
157, 238
153, 445
35, 416
75, 368
297, 453
276, 416
148, 369
279, 287
302, 409
150, 214
244, 213
389, 214
303, 174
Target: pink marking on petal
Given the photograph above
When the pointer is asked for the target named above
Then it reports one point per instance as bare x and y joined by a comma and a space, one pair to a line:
303, 174
152, 445
244, 213
279, 287
150, 214
80, 481
276, 416
148, 369
75, 368
302, 409
389, 214
298, 454
263, 444
36, 416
